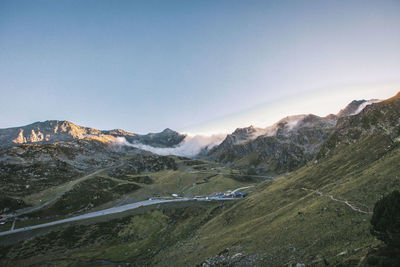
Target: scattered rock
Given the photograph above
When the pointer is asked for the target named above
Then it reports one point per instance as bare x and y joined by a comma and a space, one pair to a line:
342, 253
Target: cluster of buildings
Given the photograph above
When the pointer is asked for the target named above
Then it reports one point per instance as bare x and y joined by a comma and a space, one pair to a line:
229, 194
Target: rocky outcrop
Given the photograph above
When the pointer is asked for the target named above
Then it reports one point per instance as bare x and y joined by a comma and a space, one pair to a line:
30, 168
166, 138
44, 132
60, 131
356, 107
285, 146
377, 119
228, 257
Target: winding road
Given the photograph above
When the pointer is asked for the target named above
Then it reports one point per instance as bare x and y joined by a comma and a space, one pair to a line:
242, 188
68, 186
112, 211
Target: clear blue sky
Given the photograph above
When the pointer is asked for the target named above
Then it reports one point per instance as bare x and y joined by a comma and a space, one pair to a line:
188, 65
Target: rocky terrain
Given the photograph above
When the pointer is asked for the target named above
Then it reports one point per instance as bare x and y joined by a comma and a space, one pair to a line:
285, 146
356, 107
44, 180
374, 119
57, 131
166, 138
47, 154
30, 168
317, 215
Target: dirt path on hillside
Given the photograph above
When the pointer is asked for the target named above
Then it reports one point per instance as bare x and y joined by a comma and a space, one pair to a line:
352, 206
233, 174
62, 189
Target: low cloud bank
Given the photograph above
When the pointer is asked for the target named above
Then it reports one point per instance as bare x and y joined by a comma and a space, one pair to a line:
189, 147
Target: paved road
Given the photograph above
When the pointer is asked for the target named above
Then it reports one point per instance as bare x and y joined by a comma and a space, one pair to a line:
241, 188
111, 211
69, 186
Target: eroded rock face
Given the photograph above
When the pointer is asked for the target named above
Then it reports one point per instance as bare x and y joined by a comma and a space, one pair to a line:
166, 138
285, 146
60, 131
377, 119
44, 132
356, 107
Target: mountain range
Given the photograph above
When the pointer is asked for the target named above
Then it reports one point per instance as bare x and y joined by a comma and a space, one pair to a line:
56, 131
285, 146
327, 174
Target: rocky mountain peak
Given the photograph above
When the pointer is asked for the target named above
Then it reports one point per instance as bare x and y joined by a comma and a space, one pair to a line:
118, 133
168, 131
378, 118
52, 131
355, 107
241, 135
246, 130
166, 138
44, 132
351, 108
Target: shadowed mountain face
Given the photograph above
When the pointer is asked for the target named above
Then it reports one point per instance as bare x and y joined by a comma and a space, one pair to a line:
285, 146
356, 107
57, 131
376, 119
166, 138
29, 168
47, 154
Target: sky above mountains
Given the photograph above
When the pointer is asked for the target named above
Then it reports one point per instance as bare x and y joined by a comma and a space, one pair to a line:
193, 66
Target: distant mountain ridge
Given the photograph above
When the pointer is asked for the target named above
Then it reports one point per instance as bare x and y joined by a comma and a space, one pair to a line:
320, 209
166, 138
355, 107
52, 131
379, 119
288, 144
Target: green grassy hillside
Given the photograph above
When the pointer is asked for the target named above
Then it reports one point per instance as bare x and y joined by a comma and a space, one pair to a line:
285, 221
282, 222
134, 237
319, 213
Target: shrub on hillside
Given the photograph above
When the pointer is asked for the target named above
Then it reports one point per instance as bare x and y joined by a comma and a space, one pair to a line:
385, 220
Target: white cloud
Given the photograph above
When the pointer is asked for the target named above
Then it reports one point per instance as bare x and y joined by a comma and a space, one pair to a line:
189, 147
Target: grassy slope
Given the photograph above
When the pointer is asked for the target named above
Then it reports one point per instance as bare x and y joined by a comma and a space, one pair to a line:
101, 190
281, 215
133, 237
278, 224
